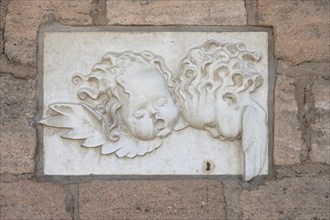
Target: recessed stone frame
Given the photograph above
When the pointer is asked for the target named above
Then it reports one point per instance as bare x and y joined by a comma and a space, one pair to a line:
176, 142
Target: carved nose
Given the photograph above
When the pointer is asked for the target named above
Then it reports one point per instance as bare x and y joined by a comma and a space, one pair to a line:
152, 110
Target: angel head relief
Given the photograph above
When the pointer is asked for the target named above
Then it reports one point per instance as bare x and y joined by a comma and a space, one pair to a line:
215, 80
148, 110
213, 94
137, 99
130, 95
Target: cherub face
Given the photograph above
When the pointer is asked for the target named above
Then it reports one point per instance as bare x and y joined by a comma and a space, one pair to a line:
149, 111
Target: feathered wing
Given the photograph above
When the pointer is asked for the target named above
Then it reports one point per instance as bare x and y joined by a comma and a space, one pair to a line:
254, 141
127, 146
83, 122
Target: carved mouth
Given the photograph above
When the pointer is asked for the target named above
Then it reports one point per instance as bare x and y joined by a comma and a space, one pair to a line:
160, 124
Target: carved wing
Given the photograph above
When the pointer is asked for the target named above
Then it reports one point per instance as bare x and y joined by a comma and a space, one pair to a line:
254, 141
83, 122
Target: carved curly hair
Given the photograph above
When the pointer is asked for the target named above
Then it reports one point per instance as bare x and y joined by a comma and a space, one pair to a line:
104, 82
207, 68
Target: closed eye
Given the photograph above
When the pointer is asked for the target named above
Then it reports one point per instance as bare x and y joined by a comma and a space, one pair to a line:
139, 117
139, 114
162, 102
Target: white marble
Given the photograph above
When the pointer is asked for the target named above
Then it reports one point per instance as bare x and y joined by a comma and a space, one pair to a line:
157, 103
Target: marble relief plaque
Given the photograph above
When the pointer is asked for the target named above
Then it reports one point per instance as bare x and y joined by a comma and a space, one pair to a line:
154, 101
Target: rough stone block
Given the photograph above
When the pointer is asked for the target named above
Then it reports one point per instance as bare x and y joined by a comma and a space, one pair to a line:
16, 69
17, 99
31, 200
320, 151
198, 12
24, 17
320, 139
2, 41
303, 197
3, 8
305, 71
301, 28
190, 199
321, 90
232, 191
285, 94
224, 12
304, 170
287, 136
17, 147
17, 137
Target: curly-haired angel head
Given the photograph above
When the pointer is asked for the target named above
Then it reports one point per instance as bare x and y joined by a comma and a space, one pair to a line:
132, 91
215, 71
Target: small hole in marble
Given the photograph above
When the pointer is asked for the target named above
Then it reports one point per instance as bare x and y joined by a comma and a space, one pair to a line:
208, 166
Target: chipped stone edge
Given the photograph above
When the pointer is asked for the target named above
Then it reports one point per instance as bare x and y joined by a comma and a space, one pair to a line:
66, 179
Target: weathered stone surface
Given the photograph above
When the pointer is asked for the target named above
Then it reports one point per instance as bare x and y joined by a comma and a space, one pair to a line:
305, 196
2, 42
31, 200
10, 177
17, 99
321, 91
320, 140
320, 151
24, 17
3, 8
17, 137
190, 199
287, 137
252, 11
305, 71
312, 93
305, 170
285, 94
301, 28
155, 12
224, 12
17, 147
16, 69
232, 191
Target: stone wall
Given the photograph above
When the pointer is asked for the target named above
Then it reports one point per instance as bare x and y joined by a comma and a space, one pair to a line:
300, 186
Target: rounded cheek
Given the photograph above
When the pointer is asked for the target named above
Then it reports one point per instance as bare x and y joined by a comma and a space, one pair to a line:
170, 115
220, 108
199, 112
142, 129
228, 120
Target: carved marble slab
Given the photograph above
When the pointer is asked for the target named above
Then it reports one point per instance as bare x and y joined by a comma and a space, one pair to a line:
154, 102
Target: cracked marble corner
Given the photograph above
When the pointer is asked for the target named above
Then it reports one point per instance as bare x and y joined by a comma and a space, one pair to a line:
155, 103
